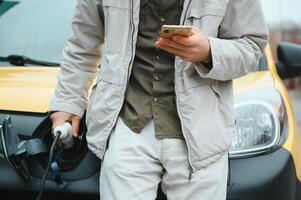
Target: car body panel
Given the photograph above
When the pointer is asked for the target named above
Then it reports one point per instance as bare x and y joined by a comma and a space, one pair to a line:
262, 79
27, 89
255, 178
293, 140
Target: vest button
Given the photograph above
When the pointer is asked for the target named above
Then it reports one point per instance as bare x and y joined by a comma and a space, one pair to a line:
162, 20
157, 78
156, 58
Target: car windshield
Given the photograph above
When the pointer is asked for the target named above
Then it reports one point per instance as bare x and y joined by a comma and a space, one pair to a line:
39, 29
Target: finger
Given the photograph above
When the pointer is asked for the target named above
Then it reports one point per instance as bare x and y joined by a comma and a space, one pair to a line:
75, 126
173, 44
57, 122
185, 41
58, 117
172, 50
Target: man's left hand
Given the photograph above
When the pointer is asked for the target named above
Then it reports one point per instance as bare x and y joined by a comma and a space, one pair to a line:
195, 48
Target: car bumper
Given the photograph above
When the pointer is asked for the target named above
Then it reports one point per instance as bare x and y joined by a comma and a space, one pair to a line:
270, 176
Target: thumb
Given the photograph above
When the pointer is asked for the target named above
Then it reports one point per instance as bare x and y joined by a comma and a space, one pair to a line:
75, 126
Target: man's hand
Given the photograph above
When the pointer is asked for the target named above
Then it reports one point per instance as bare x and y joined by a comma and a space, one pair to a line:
59, 118
195, 48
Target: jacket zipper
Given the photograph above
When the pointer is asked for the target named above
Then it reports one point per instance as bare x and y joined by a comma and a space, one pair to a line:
132, 42
188, 149
179, 113
186, 11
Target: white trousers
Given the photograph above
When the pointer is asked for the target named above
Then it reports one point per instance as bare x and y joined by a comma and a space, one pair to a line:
134, 164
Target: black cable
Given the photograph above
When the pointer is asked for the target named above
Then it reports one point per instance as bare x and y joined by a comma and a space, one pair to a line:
51, 154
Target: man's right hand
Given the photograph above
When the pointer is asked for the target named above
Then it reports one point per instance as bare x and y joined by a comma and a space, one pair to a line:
59, 118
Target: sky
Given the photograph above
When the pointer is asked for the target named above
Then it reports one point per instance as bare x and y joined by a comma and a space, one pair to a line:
282, 13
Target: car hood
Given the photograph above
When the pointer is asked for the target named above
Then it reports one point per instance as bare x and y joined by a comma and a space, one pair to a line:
27, 89
30, 89
255, 80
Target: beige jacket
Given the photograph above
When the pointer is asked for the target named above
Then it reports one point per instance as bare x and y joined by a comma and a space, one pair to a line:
237, 34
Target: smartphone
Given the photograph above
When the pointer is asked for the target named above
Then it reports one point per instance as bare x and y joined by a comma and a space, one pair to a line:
168, 31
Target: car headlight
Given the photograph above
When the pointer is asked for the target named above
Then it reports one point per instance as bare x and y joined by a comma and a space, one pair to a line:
259, 122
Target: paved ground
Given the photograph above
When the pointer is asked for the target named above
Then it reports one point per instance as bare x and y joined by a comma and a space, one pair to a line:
296, 99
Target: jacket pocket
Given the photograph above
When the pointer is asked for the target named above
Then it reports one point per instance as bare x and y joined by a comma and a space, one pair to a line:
117, 22
207, 15
223, 90
102, 115
104, 99
200, 8
119, 4
188, 78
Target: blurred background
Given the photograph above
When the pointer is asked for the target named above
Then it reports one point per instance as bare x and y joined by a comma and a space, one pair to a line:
284, 18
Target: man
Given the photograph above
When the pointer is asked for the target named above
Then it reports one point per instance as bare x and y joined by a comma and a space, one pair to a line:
161, 109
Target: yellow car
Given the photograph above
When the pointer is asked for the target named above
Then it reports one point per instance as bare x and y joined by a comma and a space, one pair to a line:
265, 157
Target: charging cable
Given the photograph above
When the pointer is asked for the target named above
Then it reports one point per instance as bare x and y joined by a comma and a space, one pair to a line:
64, 133
42, 184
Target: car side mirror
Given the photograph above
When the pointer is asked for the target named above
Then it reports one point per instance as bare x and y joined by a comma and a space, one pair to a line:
289, 60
